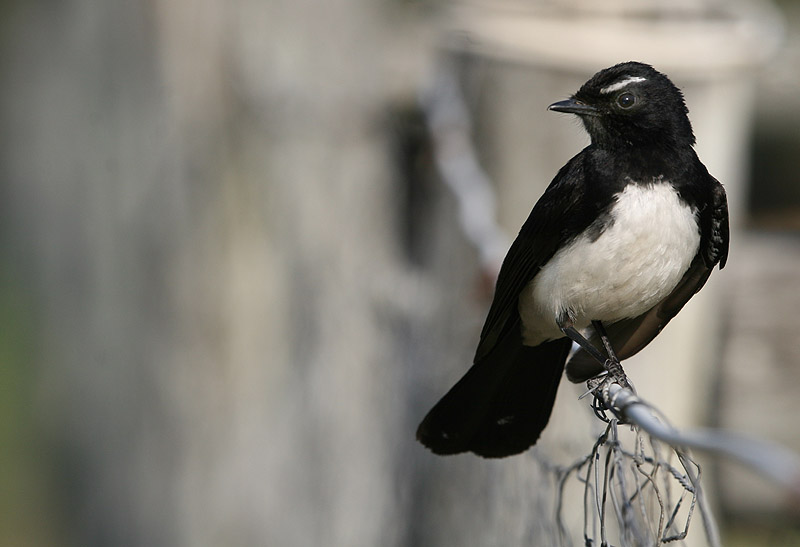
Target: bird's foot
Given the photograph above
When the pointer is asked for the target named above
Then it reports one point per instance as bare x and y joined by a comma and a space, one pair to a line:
613, 375
600, 385
616, 373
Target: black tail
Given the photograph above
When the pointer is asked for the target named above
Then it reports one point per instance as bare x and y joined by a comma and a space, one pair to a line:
502, 403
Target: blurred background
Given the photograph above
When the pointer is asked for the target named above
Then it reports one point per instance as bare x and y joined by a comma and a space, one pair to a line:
246, 245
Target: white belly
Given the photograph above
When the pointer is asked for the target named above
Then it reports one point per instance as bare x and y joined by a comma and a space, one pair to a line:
636, 262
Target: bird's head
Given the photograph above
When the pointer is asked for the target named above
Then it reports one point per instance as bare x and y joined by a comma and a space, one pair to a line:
630, 105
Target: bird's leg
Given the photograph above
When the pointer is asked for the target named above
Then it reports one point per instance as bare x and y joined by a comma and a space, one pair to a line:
566, 326
612, 364
601, 332
609, 361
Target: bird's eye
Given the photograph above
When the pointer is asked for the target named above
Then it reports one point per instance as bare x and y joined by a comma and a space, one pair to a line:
626, 100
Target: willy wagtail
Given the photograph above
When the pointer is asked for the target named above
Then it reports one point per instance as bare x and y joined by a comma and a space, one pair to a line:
626, 233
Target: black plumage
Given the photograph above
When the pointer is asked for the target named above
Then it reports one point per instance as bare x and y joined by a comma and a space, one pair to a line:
641, 137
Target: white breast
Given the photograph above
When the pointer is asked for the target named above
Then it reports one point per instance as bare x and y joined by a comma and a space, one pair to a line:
635, 262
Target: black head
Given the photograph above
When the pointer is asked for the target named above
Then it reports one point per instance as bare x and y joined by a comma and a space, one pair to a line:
631, 104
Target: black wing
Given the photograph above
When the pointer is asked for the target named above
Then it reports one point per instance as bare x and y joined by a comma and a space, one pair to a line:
629, 336
555, 219
716, 232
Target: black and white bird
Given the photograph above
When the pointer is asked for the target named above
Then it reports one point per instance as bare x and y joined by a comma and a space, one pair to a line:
626, 233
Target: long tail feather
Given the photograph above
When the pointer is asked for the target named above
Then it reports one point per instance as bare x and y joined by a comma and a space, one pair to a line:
502, 403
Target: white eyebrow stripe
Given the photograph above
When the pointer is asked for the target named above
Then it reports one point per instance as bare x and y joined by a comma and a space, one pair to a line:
616, 86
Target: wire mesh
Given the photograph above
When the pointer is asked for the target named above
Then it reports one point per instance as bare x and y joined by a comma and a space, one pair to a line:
635, 490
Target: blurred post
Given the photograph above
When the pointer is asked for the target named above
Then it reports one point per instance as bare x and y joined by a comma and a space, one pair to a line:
203, 196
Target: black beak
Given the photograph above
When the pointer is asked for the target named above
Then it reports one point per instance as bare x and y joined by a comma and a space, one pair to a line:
571, 106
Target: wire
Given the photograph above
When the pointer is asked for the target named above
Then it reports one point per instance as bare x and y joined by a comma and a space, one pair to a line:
769, 459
